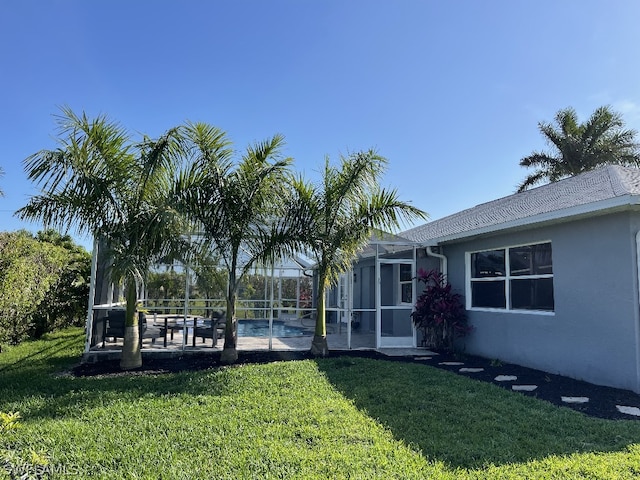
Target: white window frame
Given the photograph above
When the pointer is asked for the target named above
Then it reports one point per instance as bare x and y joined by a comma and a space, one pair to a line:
507, 281
401, 282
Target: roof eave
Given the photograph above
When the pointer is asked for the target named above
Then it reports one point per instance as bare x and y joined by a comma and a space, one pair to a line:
557, 216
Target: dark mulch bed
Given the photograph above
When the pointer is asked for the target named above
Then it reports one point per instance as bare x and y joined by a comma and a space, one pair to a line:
190, 362
602, 400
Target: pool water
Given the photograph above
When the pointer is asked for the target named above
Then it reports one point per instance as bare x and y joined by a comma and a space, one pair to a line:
260, 328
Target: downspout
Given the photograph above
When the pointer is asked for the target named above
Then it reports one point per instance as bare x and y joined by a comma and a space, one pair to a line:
637, 320
443, 261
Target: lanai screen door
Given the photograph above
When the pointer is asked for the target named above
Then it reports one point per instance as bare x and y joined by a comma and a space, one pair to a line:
396, 296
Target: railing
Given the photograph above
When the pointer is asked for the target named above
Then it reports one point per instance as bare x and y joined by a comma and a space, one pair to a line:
246, 309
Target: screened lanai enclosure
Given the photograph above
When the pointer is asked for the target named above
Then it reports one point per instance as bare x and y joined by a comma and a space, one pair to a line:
182, 304
380, 293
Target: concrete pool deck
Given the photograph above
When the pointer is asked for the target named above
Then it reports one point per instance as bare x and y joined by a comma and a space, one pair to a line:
336, 342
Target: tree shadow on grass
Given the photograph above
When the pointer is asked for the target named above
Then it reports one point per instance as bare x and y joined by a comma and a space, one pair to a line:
89, 385
48, 354
466, 423
462, 422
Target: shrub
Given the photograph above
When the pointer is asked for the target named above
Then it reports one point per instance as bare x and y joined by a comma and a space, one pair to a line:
14, 461
28, 269
8, 422
65, 303
44, 284
439, 313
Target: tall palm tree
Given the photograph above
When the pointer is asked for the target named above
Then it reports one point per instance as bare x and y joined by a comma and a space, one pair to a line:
100, 182
339, 216
580, 147
240, 208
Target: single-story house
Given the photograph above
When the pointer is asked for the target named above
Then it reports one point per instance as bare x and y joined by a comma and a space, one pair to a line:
549, 275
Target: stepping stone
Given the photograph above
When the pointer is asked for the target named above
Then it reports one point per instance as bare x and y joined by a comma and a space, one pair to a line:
471, 370
635, 411
451, 364
421, 359
506, 378
575, 399
523, 388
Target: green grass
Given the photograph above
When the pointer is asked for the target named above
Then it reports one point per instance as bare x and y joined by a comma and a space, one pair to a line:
334, 418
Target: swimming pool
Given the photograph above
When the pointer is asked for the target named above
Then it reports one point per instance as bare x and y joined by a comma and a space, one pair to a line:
260, 328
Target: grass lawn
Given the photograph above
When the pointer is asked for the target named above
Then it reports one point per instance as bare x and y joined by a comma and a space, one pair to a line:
334, 418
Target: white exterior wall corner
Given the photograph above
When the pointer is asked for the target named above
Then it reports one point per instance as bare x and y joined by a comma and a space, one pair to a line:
635, 248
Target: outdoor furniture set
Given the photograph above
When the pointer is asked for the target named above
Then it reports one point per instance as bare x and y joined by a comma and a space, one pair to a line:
210, 328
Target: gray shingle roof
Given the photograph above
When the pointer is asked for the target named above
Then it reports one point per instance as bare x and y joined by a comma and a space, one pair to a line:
591, 191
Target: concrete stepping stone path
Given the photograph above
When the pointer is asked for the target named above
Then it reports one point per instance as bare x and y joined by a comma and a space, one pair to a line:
523, 388
511, 381
575, 399
635, 411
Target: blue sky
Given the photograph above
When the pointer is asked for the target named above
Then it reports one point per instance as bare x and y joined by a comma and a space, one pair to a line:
449, 91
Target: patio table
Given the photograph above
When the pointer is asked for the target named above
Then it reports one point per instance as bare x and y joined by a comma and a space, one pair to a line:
175, 322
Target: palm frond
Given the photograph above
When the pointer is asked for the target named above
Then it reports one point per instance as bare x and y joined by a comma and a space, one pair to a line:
567, 120
532, 180
341, 214
580, 147
538, 159
98, 181
209, 146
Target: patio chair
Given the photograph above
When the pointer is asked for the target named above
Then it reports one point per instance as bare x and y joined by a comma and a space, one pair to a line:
114, 328
212, 328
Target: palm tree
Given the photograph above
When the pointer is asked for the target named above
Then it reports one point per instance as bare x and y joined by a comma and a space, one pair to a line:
580, 147
1, 175
339, 217
101, 183
240, 208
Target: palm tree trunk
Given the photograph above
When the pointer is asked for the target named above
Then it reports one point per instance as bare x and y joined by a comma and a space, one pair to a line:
319, 346
131, 354
229, 352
